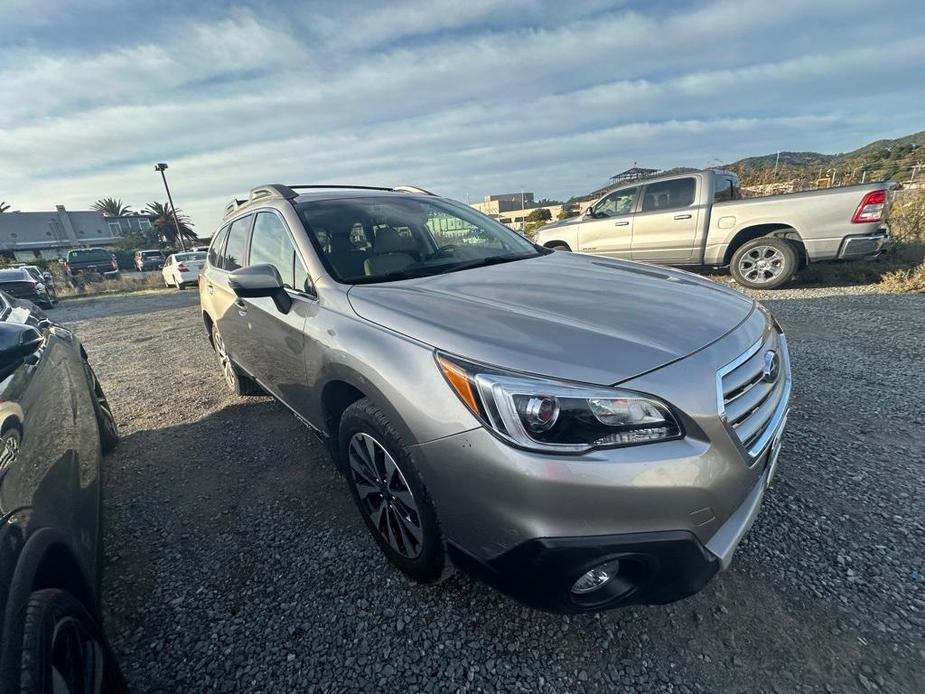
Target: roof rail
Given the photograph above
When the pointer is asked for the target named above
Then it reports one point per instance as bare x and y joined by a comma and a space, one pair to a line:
412, 189
278, 191
265, 192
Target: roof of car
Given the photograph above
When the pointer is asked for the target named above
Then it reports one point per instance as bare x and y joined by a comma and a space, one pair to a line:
305, 193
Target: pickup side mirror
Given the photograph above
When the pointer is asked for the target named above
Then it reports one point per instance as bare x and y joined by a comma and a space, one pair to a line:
260, 280
47, 276
589, 214
17, 341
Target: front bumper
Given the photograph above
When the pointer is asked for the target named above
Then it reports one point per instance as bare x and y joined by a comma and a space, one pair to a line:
673, 513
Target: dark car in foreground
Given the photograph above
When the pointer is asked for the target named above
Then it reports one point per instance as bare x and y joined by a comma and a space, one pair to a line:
583, 432
20, 283
55, 424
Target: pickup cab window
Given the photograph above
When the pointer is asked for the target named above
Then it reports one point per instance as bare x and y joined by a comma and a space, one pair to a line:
669, 195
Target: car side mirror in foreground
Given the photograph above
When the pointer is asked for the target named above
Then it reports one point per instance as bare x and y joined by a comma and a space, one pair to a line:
260, 280
16, 342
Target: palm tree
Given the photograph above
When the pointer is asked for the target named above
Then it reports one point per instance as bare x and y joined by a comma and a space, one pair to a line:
111, 207
164, 222
3, 206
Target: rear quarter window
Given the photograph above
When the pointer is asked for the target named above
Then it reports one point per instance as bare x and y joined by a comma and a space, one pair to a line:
236, 248
216, 250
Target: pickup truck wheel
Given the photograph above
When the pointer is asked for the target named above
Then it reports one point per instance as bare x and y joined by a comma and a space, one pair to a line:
390, 494
764, 263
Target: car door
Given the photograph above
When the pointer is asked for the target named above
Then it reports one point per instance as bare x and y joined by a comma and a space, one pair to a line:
665, 228
608, 226
49, 451
230, 312
274, 347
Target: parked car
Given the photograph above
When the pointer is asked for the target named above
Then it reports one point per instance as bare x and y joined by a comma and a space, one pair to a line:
84, 261
55, 422
182, 269
148, 260
700, 219
44, 277
19, 282
582, 432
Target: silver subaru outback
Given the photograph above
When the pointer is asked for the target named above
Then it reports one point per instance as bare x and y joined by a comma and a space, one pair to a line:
583, 433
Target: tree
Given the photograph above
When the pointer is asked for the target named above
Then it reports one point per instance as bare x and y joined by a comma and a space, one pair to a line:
3, 206
164, 222
540, 214
111, 207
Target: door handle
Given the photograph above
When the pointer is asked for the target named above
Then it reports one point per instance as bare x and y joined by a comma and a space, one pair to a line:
621, 224
682, 216
210, 288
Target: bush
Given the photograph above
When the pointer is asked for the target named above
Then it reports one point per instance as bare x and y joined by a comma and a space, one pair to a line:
911, 280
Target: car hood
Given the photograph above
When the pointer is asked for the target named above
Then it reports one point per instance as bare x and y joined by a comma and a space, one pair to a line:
564, 315
561, 223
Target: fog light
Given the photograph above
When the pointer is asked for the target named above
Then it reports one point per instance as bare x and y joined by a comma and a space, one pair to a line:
598, 577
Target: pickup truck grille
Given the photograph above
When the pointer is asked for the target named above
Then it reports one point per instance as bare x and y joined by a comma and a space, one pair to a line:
754, 390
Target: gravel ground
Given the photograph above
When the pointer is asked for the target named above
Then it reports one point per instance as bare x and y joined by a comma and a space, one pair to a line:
236, 561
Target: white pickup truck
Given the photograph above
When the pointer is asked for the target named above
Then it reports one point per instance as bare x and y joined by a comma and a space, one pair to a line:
701, 219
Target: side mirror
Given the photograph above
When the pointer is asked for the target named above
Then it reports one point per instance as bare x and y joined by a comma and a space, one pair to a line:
589, 214
16, 342
48, 276
260, 280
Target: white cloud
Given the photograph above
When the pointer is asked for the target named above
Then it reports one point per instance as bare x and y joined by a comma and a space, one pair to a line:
463, 98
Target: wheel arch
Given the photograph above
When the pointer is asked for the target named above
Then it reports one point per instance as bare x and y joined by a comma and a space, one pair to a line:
776, 229
208, 323
47, 560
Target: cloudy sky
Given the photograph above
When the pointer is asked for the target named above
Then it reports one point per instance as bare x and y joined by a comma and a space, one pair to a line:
463, 97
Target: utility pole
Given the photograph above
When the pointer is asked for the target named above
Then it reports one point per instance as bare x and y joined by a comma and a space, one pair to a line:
523, 215
777, 161
162, 167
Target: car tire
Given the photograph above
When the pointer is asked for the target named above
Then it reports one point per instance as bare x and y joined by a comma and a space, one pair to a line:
106, 422
237, 381
390, 494
767, 262
63, 647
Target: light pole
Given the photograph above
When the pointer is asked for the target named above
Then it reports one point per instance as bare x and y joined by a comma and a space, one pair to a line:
162, 167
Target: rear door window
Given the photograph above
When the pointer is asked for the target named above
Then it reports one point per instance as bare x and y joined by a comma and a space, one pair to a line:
216, 250
236, 248
668, 195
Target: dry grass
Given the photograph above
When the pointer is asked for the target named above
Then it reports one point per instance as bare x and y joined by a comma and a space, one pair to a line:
125, 283
912, 280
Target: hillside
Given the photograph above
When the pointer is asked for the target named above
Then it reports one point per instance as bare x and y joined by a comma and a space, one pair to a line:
879, 160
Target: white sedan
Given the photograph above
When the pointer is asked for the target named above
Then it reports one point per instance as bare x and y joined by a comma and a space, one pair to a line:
181, 269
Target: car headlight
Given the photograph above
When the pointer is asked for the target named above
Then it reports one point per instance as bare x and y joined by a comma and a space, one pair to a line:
557, 416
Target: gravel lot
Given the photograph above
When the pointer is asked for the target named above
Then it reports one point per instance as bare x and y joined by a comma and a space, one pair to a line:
236, 561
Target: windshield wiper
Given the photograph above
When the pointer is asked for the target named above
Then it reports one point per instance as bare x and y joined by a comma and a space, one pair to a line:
490, 260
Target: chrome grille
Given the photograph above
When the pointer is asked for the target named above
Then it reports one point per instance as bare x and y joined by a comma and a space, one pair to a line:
753, 393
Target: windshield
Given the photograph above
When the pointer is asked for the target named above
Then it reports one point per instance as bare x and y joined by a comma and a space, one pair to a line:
189, 257
377, 239
88, 254
14, 275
